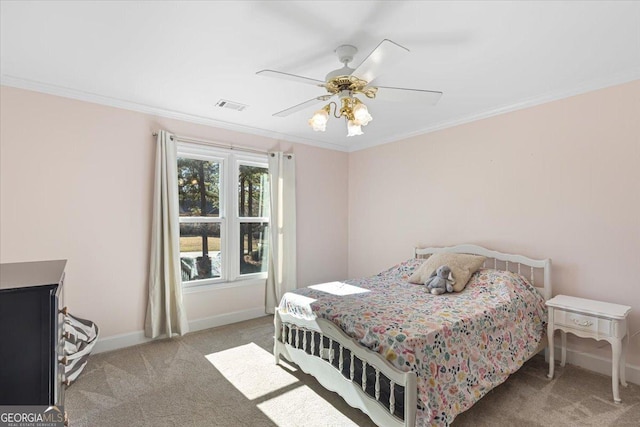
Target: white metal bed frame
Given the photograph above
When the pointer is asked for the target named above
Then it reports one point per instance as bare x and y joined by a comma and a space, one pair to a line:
327, 358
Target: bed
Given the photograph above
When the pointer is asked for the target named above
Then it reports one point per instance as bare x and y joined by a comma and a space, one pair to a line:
406, 357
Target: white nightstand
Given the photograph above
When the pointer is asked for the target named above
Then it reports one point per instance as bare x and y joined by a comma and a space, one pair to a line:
591, 319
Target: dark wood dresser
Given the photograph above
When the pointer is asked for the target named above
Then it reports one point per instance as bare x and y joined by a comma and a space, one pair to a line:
31, 333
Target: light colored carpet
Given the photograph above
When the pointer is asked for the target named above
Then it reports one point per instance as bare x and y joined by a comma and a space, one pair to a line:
227, 377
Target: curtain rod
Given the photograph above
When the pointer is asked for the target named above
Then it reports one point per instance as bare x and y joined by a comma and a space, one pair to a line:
214, 144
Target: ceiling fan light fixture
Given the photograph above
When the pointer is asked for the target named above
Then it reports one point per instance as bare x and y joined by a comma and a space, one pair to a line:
353, 128
344, 84
319, 120
353, 110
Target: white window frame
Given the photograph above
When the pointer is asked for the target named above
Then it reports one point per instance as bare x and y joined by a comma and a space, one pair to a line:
247, 160
228, 218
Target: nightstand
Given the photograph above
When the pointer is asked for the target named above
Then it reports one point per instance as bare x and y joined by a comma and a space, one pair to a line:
591, 319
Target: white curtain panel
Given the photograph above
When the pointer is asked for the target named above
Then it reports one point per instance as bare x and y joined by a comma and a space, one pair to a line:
165, 310
282, 254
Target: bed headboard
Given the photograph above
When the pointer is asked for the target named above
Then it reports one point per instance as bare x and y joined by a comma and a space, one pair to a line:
535, 270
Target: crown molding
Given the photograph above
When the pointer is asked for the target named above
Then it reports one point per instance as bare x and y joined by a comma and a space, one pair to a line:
20, 83
584, 87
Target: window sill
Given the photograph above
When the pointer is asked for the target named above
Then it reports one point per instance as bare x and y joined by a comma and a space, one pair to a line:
224, 285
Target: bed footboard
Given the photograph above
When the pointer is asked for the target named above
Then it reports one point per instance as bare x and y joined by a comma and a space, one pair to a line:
362, 377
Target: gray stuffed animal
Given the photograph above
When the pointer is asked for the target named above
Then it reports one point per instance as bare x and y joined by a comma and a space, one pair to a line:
440, 281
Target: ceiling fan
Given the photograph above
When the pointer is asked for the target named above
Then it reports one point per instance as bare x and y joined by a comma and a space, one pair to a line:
346, 82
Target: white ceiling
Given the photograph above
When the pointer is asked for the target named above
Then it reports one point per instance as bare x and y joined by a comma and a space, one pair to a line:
177, 59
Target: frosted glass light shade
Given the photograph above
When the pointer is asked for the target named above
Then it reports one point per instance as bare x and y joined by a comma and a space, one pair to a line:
361, 114
319, 120
353, 129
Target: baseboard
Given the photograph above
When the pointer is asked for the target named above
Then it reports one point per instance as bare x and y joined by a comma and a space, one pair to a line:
226, 319
116, 342
597, 364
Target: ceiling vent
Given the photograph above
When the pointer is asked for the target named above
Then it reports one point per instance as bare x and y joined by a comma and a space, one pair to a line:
223, 103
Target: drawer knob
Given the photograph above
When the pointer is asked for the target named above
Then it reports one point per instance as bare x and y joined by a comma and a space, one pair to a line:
64, 311
583, 323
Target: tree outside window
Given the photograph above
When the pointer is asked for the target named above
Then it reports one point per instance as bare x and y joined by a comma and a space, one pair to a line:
253, 204
213, 226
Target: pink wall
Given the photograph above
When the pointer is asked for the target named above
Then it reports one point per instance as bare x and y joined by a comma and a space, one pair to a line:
76, 183
560, 180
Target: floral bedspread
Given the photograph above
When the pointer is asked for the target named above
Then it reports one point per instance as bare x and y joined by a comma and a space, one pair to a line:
460, 345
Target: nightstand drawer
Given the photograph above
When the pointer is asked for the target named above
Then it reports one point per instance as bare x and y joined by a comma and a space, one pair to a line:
583, 322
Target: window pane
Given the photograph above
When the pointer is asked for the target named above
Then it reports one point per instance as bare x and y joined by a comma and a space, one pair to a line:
253, 191
254, 243
198, 187
199, 251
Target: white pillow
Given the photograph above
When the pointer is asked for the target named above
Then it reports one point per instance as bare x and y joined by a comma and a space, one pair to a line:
462, 267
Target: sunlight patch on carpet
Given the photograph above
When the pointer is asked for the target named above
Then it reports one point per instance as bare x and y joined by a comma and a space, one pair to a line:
303, 407
252, 370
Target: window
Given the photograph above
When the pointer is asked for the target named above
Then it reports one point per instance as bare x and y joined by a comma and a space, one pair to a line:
224, 215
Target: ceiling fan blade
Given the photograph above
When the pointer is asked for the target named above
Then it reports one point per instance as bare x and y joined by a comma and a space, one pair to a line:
382, 58
304, 105
292, 77
430, 97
